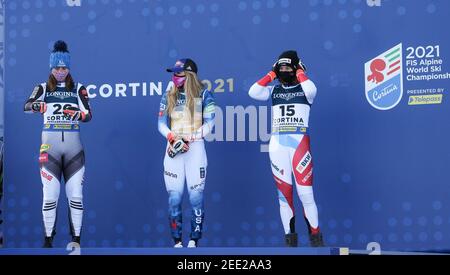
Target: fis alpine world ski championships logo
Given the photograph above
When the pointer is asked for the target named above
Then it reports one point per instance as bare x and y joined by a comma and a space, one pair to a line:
384, 79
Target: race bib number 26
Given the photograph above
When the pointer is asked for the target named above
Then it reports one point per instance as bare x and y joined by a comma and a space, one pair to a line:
55, 113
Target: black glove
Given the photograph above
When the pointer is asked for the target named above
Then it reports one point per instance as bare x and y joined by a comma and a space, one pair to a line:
74, 113
178, 146
275, 69
301, 66
39, 106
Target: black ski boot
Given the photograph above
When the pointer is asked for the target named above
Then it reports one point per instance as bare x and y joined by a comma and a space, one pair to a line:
316, 240
291, 240
76, 239
48, 242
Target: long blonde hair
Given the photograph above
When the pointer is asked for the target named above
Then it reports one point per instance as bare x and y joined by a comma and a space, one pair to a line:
192, 87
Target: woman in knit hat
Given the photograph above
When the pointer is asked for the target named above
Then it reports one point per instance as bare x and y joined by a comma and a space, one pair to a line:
289, 148
63, 104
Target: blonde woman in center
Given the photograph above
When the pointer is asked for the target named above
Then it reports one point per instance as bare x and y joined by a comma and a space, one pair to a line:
186, 115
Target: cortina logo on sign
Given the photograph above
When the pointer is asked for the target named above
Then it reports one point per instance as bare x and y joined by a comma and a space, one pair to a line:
384, 79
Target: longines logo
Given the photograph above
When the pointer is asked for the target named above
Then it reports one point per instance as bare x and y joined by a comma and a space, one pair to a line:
288, 96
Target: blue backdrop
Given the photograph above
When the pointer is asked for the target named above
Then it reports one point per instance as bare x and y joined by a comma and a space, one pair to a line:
380, 175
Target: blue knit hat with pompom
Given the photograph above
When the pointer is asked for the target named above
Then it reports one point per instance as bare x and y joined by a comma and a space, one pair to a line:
60, 56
